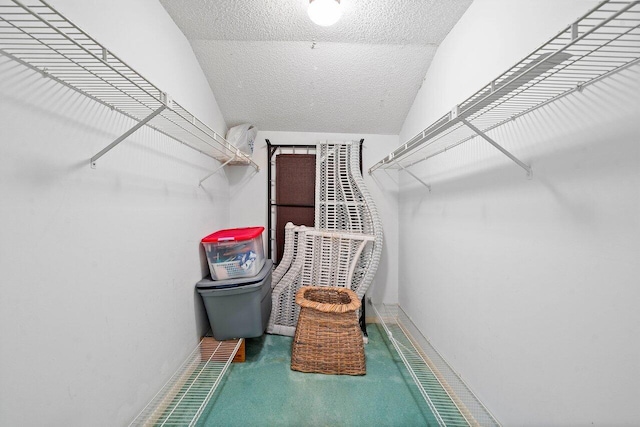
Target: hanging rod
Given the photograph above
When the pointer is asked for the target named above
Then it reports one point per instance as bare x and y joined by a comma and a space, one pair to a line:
38, 36
602, 42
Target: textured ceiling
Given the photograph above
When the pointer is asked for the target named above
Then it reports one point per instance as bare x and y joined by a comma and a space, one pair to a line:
269, 65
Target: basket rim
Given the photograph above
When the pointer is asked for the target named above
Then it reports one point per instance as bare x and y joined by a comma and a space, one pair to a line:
328, 307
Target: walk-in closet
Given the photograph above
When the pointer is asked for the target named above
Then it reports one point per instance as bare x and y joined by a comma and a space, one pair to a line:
319, 213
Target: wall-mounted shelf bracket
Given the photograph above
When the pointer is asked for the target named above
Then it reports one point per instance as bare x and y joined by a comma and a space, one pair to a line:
125, 135
217, 169
575, 33
390, 177
415, 177
455, 112
486, 137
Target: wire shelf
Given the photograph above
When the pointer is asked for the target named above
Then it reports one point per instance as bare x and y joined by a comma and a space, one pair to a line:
448, 397
36, 35
184, 397
600, 43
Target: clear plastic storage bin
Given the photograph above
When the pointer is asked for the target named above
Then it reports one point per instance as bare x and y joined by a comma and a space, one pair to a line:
236, 252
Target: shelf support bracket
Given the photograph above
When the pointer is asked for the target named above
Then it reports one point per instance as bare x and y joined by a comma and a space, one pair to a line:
125, 135
415, 177
216, 170
486, 137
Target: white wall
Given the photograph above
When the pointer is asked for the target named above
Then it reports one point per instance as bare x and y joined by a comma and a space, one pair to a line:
98, 267
248, 195
529, 288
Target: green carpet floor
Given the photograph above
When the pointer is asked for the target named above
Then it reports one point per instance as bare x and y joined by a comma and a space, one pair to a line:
264, 391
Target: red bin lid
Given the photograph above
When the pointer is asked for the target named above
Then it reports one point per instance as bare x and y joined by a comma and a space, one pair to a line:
234, 235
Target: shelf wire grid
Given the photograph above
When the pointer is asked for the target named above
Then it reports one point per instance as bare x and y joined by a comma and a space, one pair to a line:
600, 43
36, 35
184, 397
446, 394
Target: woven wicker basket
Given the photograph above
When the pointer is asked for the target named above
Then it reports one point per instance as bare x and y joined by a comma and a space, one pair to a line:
328, 339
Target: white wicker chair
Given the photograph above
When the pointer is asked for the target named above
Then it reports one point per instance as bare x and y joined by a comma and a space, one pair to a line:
322, 258
345, 246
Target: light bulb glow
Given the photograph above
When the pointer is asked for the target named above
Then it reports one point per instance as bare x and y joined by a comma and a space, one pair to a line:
324, 12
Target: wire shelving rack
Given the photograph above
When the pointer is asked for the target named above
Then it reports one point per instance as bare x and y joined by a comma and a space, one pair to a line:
448, 397
36, 35
185, 396
602, 42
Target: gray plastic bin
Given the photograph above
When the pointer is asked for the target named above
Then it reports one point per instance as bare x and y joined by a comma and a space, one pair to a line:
238, 308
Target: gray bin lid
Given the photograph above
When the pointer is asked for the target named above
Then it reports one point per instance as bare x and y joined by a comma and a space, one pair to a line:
207, 283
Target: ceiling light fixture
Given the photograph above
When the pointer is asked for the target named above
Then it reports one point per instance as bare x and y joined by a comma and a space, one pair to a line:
324, 12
